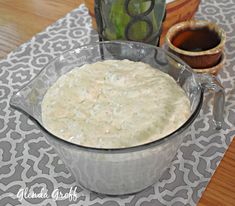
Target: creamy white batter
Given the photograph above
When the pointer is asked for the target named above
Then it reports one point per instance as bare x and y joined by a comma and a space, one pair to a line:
114, 104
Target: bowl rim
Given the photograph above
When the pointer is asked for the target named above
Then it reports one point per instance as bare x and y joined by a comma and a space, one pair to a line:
136, 148
197, 24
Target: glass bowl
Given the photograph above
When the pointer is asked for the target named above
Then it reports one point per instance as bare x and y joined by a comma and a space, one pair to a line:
126, 170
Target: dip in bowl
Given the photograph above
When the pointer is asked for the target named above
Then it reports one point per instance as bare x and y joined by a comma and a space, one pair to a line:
124, 103
126, 170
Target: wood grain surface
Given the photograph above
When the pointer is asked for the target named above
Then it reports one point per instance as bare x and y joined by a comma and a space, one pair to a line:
22, 19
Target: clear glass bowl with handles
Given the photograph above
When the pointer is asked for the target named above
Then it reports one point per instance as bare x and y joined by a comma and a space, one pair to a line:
122, 170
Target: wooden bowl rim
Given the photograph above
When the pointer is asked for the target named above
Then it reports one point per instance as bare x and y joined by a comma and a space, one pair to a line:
195, 23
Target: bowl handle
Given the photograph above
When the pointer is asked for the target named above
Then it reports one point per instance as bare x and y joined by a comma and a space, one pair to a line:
212, 83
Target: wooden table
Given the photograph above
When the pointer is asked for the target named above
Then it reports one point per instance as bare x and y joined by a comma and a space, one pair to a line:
20, 20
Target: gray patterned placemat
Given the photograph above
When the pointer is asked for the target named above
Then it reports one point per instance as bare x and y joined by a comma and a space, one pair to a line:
28, 164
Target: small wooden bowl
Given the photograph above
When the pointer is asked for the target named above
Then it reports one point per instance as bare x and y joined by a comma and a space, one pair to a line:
176, 11
196, 59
